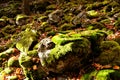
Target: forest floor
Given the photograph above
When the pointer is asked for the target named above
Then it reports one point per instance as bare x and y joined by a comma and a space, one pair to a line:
49, 19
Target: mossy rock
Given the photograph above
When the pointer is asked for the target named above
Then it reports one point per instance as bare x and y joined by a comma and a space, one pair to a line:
67, 26
44, 25
33, 53
51, 7
43, 18
25, 61
2, 23
94, 35
28, 39
96, 5
9, 29
110, 51
7, 53
106, 74
92, 14
20, 19
68, 17
66, 38
106, 45
96, 25
68, 47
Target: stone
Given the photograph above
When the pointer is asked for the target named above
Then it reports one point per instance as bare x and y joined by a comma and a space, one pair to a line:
2, 23
55, 16
64, 49
27, 40
21, 19
109, 53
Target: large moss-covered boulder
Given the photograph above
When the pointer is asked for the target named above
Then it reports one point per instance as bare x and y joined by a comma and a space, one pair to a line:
27, 40
65, 47
68, 53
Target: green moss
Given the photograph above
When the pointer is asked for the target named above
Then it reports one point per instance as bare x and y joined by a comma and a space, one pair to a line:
94, 35
44, 25
43, 18
25, 61
68, 17
1, 69
96, 25
2, 20
114, 10
13, 78
20, 16
8, 70
92, 14
11, 9
58, 52
9, 29
65, 38
101, 75
13, 62
51, 33
105, 21
27, 40
116, 53
51, 7
33, 53
3, 55
109, 53
117, 23
7, 53
96, 5
81, 46
48, 29
106, 45
67, 26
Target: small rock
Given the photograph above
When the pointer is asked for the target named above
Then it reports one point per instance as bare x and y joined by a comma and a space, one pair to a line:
55, 16
21, 19
2, 23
